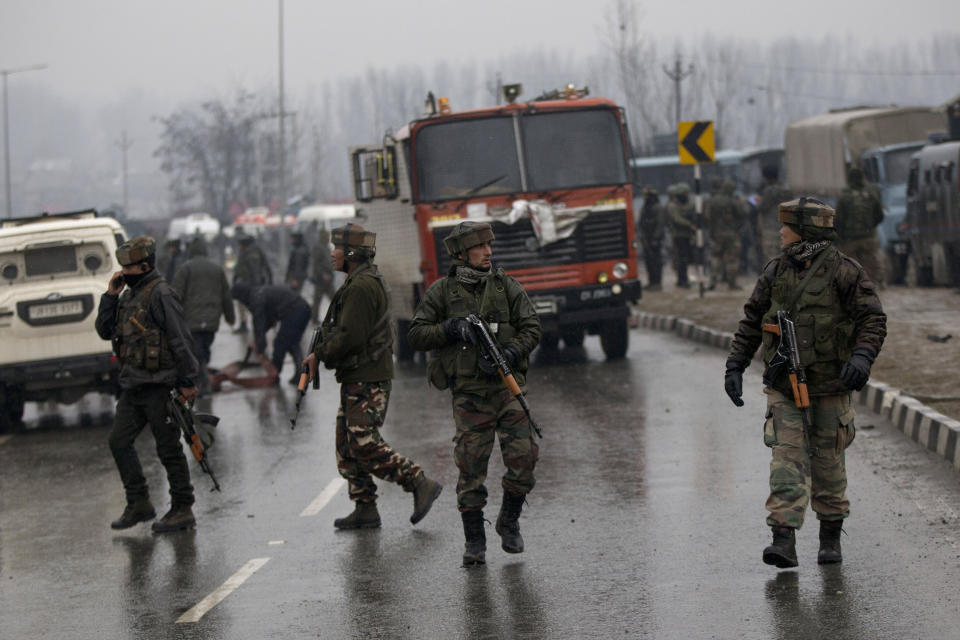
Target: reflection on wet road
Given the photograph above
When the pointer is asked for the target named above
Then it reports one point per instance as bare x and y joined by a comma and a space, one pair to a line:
646, 521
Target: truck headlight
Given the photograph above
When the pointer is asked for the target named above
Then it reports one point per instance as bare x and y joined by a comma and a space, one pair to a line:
620, 270
10, 271
602, 277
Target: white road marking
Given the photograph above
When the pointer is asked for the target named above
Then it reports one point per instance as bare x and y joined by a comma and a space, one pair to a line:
274, 543
197, 611
325, 496
3, 439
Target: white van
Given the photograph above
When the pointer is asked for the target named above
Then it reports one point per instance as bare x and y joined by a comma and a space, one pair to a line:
187, 227
328, 216
53, 269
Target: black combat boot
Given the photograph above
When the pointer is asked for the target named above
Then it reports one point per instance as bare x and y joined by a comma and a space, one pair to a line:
476, 539
782, 553
179, 517
425, 491
508, 526
364, 516
137, 511
830, 542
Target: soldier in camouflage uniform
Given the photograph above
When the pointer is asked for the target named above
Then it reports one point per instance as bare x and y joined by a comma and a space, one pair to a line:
483, 407
299, 263
768, 223
358, 343
840, 328
652, 227
683, 228
724, 216
153, 343
859, 211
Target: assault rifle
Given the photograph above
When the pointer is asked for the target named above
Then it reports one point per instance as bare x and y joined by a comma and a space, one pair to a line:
788, 357
492, 350
305, 376
187, 420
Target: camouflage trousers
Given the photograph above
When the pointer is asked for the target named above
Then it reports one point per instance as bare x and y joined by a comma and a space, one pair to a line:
479, 421
361, 451
864, 251
725, 251
798, 478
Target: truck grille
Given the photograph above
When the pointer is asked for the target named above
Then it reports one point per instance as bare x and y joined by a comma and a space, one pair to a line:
601, 235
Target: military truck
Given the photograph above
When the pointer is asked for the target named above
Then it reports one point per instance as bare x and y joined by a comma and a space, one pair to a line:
933, 206
819, 150
53, 269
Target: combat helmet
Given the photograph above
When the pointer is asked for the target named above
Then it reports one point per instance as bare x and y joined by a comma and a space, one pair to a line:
136, 250
806, 212
357, 242
467, 234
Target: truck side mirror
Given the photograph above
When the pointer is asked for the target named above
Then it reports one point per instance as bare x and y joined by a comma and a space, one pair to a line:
375, 174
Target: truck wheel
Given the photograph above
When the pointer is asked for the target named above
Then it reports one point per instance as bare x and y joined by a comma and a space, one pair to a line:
572, 335
11, 408
615, 338
404, 351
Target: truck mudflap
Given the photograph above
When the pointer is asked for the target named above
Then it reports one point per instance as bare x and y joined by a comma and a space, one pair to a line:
60, 372
587, 304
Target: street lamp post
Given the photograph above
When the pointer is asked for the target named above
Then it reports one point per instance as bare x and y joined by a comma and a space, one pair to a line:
6, 130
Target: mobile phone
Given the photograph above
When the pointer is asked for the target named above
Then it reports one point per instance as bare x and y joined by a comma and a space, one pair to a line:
116, 282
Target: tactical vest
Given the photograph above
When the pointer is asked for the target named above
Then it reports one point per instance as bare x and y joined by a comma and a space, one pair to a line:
460, 359
381, 338
140, 342
824, 330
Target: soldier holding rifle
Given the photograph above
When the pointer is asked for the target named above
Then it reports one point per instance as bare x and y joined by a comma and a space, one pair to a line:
839, 328
358, 343
152, 341
483, 405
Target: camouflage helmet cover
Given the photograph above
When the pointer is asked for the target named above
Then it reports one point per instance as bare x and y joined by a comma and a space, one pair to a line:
353, 236
466, 235
680, 188
649, 190
806, 211
136, 250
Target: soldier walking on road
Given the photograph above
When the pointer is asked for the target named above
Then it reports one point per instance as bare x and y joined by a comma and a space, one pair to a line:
358, 344
840, 328
252, 268
768, 222
652, 227
483, 407
153, 343
859, 211
683, 228
202, 286
322, 273
724, 217
298, 266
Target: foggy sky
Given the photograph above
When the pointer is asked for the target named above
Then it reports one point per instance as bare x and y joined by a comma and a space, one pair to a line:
182, 49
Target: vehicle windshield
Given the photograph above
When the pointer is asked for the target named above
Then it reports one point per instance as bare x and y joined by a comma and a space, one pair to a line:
562, 150
896, 165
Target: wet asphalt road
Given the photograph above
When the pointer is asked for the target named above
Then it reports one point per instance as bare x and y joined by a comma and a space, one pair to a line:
647, 521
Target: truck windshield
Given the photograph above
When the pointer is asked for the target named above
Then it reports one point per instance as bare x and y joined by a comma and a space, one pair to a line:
562, 150
896, 165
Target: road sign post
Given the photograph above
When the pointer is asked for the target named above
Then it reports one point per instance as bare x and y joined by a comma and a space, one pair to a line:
696, 145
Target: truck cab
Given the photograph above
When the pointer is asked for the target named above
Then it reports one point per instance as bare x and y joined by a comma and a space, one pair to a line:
53, 269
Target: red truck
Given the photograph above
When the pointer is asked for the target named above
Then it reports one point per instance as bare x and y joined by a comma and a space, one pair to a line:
552, 177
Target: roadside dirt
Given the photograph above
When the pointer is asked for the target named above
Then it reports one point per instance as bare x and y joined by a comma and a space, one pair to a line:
910, 361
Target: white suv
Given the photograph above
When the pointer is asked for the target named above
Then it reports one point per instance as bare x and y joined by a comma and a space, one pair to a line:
53, 269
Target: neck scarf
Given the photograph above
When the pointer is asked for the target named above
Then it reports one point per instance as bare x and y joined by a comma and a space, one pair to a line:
800, 252
469, 275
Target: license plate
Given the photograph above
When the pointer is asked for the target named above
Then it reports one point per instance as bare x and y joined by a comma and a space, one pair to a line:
55, 310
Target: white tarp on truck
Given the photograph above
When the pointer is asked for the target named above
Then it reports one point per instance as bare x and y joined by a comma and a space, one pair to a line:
820, 148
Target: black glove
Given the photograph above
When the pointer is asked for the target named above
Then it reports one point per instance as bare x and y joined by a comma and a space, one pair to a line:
733, 385
486, 365
856, 370
459, 330
511, 354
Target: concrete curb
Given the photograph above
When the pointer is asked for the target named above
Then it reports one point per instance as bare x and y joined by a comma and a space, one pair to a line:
925, 426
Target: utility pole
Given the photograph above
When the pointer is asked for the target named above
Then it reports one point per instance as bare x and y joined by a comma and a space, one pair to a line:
678, 75
6, 129
283, 150
125, 145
